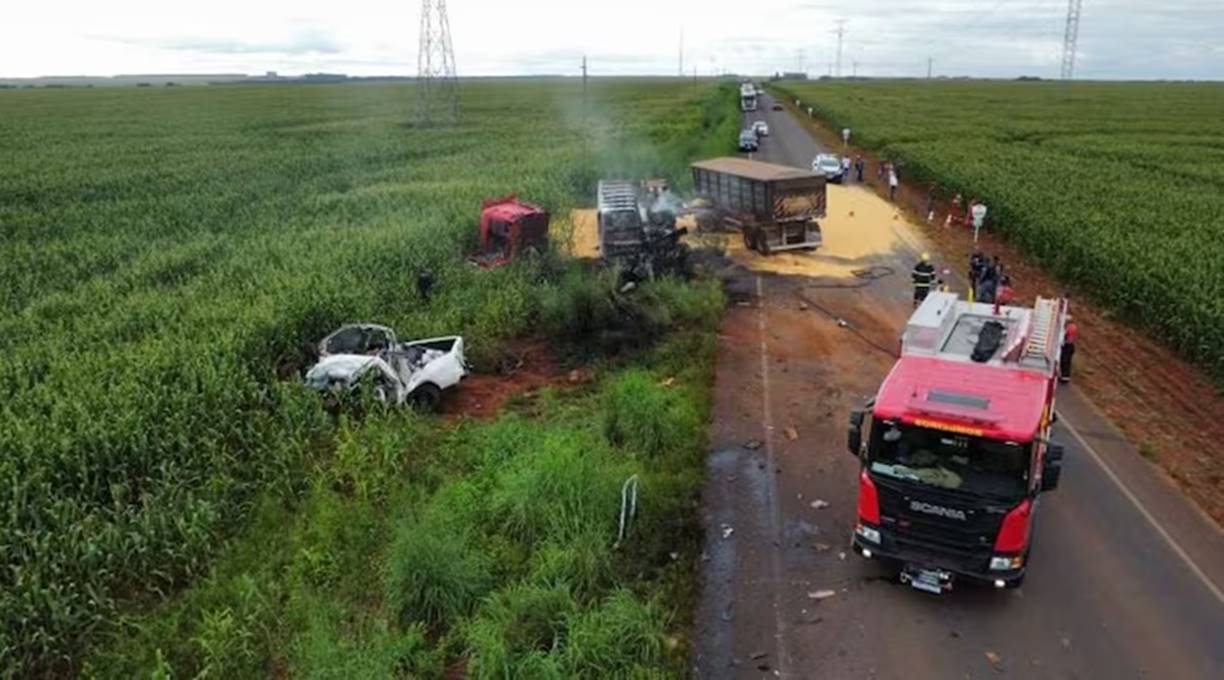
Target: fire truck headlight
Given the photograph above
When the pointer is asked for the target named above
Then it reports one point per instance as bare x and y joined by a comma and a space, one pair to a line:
1006, 563
868, 533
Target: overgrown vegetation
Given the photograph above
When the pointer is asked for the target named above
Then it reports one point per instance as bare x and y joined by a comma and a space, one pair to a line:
1113, 186
165, 255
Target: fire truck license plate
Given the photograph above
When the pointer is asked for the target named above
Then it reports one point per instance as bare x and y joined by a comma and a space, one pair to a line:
930, 580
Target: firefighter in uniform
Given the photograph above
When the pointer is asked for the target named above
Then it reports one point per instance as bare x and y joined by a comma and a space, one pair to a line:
924, 277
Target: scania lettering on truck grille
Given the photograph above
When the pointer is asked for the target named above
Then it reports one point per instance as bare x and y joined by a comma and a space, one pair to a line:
940, 510
955, 447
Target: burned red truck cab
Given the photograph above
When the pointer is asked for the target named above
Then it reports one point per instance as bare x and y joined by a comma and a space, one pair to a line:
955, 446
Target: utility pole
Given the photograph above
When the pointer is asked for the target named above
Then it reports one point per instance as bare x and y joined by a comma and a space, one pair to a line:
841, 32
1070, 39
437, 84
930, 63
680, 70
584, 91
854, 68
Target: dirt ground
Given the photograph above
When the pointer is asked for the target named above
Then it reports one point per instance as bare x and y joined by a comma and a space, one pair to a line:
531, 365
1163, 404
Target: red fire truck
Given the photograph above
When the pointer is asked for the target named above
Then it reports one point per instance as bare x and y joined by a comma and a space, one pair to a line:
958, 450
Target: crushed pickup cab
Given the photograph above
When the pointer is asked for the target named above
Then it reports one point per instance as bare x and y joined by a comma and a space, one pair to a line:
368, 354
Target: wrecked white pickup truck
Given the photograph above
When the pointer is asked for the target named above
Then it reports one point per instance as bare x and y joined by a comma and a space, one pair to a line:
397, 373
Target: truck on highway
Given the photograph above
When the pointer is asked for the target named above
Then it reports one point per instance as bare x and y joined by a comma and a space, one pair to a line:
775, 207
748, 97
957, 451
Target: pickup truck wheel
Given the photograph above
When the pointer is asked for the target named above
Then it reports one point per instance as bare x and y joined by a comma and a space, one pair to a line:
426, 398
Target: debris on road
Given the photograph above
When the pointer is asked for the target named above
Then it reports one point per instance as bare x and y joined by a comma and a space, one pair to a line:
791, 433
818, 504
821, 547
752, 444
820, 594
727, 531
759, 655
995, 660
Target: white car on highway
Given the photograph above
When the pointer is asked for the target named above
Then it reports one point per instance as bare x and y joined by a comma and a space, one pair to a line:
828, 165
761, 128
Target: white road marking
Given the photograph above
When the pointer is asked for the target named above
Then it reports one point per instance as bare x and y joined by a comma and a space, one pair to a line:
775, 515
1177, 549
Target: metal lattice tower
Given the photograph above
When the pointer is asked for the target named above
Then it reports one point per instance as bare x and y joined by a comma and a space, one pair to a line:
841, 32
437, 84
1070, 38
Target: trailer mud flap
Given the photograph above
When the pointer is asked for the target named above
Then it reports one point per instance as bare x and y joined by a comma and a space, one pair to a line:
935, 581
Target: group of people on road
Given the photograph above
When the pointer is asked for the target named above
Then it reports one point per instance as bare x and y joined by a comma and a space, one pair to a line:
988, 282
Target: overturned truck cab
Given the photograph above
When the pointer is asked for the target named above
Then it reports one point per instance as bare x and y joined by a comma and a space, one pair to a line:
955, 447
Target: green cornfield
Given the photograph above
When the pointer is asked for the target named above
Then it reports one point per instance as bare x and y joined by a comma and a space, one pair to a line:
1114, 187
166, 253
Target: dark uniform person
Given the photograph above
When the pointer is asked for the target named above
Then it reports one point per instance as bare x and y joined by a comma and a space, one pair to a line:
924, 277
425, 284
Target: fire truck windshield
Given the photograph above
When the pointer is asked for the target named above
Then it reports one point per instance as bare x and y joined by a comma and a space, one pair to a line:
973, 465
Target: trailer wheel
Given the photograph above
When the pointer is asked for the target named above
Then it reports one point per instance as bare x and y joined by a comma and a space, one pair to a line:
426, 398
749, 241
763, 245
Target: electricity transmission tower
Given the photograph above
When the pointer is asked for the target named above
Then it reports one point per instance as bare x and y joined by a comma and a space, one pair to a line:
1070, 38
437, 84
841, 32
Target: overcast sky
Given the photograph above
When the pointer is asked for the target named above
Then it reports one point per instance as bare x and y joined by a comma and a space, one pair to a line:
1118, 38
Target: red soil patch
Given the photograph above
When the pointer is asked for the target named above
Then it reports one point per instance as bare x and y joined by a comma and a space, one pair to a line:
530, 365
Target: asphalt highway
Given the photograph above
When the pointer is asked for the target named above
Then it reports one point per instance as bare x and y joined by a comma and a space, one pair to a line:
1125, 578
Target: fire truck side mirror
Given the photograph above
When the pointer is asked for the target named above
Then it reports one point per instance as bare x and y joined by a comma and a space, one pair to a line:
1052, 469
855, 438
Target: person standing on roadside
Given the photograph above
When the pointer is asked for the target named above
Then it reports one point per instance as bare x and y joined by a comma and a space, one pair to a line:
892, 183
846, 169
1006, 293
923, 277
1070, 336
858, 168
977, 261
987, 282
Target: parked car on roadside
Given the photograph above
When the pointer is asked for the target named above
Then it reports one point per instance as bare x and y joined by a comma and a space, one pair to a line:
830, 166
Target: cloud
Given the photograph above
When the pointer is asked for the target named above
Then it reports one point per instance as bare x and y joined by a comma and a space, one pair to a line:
304, 41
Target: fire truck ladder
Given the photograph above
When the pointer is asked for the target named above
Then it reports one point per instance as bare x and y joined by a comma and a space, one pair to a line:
1045, 324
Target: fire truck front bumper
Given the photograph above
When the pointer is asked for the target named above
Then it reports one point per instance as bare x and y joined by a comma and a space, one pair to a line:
921, 566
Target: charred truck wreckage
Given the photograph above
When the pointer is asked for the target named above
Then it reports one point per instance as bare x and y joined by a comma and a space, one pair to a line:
637, 229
